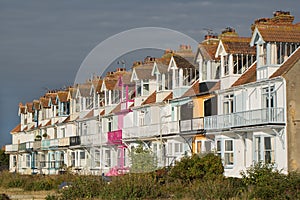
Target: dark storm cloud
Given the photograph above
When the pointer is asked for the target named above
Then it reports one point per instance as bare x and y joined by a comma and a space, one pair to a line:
42, 43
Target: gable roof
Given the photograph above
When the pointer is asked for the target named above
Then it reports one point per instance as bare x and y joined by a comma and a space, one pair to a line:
161, 65
29, 107
109, 84
150, 99
280, 33
247, 77
194, 89
62, 96
16, 129
116, 109
288, 64
36, 104
52, 96
85, 89
168, 97
208, 51
143, 72
44, 102
237, 45
183, 62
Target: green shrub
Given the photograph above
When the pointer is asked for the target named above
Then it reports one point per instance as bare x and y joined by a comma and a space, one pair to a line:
265, 182
197, 167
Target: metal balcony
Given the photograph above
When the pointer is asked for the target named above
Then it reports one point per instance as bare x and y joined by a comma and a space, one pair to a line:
11, 148
195, 125
93, 140
152, 130
266, 116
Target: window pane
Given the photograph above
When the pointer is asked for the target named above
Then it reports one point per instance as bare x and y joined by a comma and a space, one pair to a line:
228, 145
218, 145
228, 158
82, 155
268, 143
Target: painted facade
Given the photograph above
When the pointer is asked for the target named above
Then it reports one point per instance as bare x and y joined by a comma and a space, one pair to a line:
236, 97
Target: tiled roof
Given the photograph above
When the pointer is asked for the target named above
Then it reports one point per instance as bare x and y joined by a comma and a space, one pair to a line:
193, 90
280, 33
36, 104
22, 108
169, 97
72, 92
216, 87
84, 89
116, 109
143, 71
248, 77
183, 62
52, 96
162, 64
48, 123
288, 64
67, 119
110, 83
29, 107
62, 96
44, 102
102, 112
208, 51
126, 78
89, 115
150, 99
238, 45
97, 85
16, 129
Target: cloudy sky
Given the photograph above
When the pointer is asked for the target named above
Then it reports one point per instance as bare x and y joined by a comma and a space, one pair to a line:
43, 43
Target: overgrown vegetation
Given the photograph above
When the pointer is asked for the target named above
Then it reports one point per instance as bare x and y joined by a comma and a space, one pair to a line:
143, 160
196, 177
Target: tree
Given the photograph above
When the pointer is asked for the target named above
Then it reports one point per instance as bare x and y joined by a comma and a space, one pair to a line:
4, 158
142, 160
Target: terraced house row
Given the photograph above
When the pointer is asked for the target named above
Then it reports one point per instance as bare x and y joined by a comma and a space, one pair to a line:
236, 96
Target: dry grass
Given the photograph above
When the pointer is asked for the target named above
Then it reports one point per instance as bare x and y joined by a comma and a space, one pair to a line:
18, 193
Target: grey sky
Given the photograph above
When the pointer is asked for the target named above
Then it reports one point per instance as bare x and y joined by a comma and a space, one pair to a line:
42, 43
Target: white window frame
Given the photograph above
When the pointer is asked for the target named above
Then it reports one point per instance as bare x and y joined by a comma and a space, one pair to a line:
260, 151
222, 151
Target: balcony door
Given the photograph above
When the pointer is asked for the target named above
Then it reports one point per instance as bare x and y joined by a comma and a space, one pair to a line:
268, 103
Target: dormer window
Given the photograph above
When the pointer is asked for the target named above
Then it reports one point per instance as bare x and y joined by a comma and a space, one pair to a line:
262, 55
226, 66
145, 90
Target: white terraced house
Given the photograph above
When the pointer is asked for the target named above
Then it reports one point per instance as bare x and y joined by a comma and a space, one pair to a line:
237, 97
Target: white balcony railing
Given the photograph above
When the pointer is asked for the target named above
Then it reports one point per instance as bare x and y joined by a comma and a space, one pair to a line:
93, 140
151, 130
195, 124
11, 148
246, 118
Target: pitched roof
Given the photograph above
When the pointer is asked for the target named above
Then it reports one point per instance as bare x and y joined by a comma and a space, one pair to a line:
194, 89
288, 64
72, 92
16, 129
44, 102
62, 96
150, 99
143, 71
85, 89
89, 115
36, 104
29, 107
168, 97
208, 50
280, 33
216, 87
52, 96
67, 119
238, 45
97, 85
116, 109
248, 77
22, 108
110, 83
162, 64
182, 62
